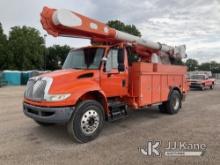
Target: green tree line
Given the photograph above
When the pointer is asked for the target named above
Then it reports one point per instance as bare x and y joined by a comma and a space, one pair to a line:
193, 65
24, 49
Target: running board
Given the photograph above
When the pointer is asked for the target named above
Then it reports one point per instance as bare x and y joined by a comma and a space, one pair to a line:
118, 110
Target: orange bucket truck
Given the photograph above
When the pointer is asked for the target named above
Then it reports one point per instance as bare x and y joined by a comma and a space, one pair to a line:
100, 82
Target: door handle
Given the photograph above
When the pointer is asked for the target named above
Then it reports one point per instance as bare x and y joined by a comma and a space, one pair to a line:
123, 83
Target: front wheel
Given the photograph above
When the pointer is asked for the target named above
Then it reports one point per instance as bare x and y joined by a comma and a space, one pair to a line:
203, 87
212, 86
86, 122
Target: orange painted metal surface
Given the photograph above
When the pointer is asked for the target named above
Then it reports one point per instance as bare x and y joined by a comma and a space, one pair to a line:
66, 81
81, 30
111, 82
151, 83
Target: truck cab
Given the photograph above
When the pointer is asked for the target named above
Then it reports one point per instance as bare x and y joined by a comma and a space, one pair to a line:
90, 73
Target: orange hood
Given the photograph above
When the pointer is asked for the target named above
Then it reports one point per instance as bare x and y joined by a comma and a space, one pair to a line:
68, 80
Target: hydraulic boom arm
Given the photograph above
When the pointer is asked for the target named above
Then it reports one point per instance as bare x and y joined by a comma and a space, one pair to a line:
67, 23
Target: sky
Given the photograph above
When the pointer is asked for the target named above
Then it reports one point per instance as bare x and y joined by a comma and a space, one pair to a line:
195, 23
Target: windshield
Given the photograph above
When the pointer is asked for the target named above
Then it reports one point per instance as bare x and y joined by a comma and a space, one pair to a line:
199, 77
87, 58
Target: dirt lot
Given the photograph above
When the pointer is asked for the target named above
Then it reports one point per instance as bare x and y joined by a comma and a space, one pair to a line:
22, 141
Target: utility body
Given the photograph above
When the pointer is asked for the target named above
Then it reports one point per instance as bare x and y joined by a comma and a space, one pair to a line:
100, 82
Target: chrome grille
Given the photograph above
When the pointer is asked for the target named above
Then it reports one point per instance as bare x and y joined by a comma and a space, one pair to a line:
35, 89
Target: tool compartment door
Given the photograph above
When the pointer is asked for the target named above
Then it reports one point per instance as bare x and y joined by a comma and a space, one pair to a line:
156, 92
145, 93
164, 87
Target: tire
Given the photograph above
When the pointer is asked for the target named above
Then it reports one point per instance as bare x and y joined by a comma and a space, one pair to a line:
212, 86
44, 124
163, 108
86, 122
174, 104
203, 87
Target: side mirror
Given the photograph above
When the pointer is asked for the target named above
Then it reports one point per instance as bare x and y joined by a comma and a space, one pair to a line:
121, 65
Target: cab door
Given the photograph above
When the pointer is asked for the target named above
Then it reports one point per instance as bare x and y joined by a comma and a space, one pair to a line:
114, 75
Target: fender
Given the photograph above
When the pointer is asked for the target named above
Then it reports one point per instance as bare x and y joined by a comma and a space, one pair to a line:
84, 88
174, 88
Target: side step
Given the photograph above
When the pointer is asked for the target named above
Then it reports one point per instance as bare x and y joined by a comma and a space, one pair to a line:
118, 110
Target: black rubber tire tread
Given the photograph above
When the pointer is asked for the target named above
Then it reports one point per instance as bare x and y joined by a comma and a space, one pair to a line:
163, 107
203, 87
169, 104
73, 126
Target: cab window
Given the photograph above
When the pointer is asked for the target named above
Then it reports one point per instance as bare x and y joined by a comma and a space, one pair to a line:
112, 62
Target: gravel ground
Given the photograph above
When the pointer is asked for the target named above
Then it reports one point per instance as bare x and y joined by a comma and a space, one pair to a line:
22, 141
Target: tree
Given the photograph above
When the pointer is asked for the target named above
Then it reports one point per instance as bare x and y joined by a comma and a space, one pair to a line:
212, 66
4, 58
56, 56
131, 29
26, 47
192, 64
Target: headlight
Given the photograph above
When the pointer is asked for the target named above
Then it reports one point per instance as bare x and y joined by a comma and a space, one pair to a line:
57, 97
53, 97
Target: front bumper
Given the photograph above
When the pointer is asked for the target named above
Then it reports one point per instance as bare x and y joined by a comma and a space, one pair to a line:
48, 114
195, 85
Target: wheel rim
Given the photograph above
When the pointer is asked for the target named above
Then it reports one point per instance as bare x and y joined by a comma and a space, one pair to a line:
89, 122
176, 103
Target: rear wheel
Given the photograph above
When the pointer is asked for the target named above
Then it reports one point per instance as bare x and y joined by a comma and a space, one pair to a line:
86, 122
173, 105
163, 108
